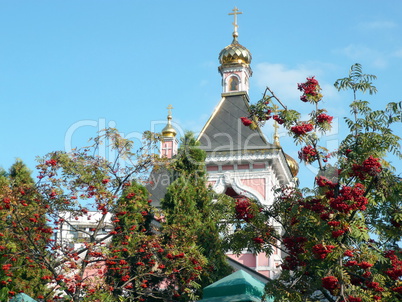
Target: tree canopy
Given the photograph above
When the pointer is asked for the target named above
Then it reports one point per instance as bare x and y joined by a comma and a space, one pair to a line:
87, 229
341, 237
190, 204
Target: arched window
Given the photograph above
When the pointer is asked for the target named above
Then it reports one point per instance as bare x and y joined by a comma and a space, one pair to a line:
233, 84
232, 193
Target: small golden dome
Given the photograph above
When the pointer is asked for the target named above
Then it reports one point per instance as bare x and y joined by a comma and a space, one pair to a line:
293, 165
169, 131
235, 53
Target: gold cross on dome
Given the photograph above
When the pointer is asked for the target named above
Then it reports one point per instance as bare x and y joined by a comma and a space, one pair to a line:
169, 108
235, 13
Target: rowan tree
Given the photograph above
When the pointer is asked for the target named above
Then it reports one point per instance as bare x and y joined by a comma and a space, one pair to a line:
69, 184
137, 259
341, 238
149, 260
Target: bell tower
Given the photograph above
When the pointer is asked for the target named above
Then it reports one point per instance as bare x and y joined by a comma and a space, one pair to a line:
240, 161
169, 141
235, 62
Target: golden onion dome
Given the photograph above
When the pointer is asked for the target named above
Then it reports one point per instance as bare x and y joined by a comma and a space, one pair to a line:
293, 165
235, 53
168, 130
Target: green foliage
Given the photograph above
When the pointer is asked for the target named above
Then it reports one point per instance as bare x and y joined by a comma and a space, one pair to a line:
341, 239
3, 177
150, 261
189, 204
18, 201
19, 174
146, 258
190, 159
69, 184
357, 81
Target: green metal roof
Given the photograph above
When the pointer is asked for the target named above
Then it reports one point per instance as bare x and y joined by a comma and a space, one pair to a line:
21, 297
237, 287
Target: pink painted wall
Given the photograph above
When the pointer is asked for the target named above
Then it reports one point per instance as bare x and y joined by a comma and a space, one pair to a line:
265, 273
252, 260
262, 260
167, 149
257, 184
245, 259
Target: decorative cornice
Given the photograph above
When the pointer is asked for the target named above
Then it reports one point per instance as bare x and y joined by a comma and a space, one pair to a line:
242, 155
243, 93
235, 67
280, 164
228, 179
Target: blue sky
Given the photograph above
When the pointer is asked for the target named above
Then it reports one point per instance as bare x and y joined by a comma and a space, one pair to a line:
69, 68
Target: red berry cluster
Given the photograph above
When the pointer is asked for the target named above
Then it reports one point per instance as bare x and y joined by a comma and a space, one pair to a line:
308, 154
246, 121
330, 283
348, 253
244, 209
310, 88
314, 205
302, 129
278, 119
349, 199
350, 263
324, 182
395, 272
338, 233
365, 278
294, 247
258, 240
365, 265
354, 299
324, 118
321, 251
295, 244
334, 223
51, 162
262, 116
374, 286
370, 167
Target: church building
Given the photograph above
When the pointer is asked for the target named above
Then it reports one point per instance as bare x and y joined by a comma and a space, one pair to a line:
240, 161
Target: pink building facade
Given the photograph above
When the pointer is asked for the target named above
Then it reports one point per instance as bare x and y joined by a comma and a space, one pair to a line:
240, 161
